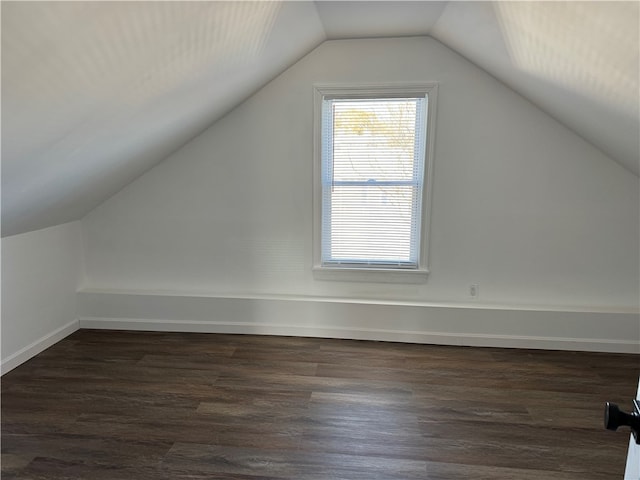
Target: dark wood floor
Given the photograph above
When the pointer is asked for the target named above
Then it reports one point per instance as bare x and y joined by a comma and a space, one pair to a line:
132, 405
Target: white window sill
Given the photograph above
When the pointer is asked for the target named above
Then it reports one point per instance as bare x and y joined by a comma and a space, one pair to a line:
373, 275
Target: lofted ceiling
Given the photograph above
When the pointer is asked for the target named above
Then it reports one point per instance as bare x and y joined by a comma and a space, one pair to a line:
96, 93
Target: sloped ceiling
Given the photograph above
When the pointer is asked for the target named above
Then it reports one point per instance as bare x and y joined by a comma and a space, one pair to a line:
96, 93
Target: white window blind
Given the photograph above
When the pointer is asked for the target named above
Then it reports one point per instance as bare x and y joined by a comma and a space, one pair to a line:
372, 175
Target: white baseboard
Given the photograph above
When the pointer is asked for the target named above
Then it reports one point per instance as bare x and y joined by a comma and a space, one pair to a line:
411, 322
559, 329
435, 338
31, 350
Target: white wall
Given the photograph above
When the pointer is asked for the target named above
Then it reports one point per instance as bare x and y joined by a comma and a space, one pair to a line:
521, 205
41, 271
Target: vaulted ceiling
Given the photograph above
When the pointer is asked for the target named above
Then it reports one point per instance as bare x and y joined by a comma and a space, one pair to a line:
96, 93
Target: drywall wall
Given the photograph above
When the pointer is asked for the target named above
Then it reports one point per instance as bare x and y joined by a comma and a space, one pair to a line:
41, 271
522, 206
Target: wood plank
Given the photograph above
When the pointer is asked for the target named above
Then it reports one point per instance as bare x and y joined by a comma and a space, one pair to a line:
165, 405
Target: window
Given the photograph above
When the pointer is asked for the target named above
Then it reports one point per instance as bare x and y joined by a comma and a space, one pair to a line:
371, 181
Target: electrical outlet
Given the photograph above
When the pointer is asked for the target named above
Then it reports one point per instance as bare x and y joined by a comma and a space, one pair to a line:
474, 290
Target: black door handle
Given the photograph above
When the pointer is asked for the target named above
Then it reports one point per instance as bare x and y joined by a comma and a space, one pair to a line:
614, 418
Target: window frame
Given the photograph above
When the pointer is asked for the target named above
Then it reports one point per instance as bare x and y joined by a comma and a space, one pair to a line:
371, 91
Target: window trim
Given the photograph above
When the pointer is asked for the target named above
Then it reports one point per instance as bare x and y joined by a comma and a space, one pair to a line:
368, 274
